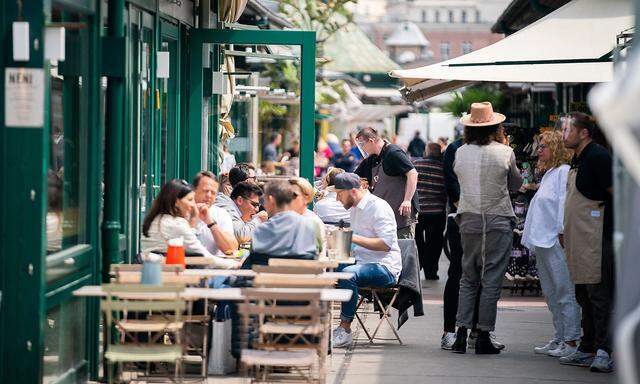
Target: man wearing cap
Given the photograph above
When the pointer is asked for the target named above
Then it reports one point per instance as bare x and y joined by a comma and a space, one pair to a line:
487, 171
377, 254
392, 177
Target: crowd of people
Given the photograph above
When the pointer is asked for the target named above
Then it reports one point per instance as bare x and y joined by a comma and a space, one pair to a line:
568, 227
456, 195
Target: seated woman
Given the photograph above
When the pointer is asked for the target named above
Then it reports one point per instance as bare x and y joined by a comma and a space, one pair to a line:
303, 196
174, 214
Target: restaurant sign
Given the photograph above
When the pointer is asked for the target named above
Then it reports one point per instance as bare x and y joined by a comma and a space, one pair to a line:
24, 97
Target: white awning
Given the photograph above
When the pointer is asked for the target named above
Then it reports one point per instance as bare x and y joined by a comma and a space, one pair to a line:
572, 44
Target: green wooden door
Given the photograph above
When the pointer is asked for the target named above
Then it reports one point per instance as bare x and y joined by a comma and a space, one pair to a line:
72, 176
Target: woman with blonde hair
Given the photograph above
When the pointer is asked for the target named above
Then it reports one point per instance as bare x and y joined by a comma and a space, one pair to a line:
302, 196
543, 231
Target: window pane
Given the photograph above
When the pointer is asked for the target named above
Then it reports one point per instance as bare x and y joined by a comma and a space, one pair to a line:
68, 123
65, 342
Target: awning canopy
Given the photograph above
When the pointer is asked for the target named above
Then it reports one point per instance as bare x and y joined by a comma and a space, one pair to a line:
572, 44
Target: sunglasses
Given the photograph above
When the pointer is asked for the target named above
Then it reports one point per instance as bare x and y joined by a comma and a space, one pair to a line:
255, 205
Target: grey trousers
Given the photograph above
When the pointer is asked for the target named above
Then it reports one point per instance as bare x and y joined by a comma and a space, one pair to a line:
486, 271
559, 291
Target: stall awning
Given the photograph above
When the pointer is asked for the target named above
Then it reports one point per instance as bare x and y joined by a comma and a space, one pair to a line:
572, 44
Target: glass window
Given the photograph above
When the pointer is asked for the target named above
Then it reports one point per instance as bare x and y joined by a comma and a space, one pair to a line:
437, 16
65, 342
463, 16
68, 119
467, 47
445, 50
477, 15
424, 16
451, 16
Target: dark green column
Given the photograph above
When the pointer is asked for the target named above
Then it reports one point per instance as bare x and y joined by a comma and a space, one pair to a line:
113, 145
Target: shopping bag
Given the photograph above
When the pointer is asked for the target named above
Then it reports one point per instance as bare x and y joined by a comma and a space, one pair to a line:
221, 361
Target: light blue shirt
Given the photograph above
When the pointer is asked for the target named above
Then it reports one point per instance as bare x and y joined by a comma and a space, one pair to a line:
285, 234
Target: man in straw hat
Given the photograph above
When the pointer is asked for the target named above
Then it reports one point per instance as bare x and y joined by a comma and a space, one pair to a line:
486, 169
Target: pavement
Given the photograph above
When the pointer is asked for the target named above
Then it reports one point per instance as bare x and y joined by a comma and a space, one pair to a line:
523, 322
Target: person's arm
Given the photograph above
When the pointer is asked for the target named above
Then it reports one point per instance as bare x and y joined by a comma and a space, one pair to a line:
225, 239
514, 178
192, 244
409, 191
561, 193
373, 244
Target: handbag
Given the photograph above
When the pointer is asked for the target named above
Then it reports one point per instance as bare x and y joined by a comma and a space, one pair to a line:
221, 361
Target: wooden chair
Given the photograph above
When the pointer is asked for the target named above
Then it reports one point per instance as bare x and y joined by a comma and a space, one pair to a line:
288, 332
384, 311
283, 262
119, 306
278, 280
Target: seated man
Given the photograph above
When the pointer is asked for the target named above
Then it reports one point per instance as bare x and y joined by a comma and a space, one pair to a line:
215, 231
286, 233
244, 207
377, 254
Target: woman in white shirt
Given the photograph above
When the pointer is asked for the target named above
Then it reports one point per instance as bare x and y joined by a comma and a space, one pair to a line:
543, 230
174, 214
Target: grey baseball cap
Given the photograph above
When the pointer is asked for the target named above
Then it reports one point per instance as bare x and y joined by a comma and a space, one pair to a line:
344, 181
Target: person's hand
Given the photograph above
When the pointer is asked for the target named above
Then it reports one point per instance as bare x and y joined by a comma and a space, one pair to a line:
203, 212
405, 208
262, 215
561, 239
237, 265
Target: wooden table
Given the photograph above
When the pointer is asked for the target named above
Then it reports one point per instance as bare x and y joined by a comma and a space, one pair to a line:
219, 294
205, 273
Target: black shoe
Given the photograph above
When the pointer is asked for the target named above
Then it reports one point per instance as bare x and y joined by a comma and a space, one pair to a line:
460, 345
484, 346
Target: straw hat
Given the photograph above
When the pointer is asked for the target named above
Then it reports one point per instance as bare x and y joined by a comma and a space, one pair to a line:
482, 115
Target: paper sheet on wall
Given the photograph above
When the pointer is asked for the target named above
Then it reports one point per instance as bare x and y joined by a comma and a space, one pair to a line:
24, 97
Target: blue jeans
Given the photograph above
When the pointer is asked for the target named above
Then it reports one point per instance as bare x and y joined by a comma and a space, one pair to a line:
364, 275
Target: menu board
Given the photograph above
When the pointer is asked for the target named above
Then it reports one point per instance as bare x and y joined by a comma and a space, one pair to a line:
24, 97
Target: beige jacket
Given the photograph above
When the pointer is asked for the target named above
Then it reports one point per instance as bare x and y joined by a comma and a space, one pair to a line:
486, 174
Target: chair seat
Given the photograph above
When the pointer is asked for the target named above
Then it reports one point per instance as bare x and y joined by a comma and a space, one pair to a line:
155, 325
184, 318
291, 329
301, 358
153, 352
380, 289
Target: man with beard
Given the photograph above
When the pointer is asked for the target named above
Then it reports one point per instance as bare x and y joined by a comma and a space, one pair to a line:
377, 254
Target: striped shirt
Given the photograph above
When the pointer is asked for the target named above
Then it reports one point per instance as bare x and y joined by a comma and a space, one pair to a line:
431, 191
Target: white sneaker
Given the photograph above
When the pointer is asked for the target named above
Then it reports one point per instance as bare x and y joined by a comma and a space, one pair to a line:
550, 346
563, 351
341, 338
447, 341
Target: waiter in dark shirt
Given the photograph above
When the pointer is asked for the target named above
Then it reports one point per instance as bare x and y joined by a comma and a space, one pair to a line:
588, 232
391, 176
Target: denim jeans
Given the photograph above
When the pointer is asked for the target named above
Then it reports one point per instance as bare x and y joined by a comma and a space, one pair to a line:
559, 291
364, 275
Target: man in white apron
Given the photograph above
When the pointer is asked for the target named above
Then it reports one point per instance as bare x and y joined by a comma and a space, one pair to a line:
392, 177
588, 232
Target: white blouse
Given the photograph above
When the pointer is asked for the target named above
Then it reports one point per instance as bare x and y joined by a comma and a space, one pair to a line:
166, 227
545, 218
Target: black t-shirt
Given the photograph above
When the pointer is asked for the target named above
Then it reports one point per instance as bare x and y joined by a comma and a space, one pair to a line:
395, 162
594, 177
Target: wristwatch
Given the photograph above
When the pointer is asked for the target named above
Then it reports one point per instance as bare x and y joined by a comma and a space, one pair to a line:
212, 224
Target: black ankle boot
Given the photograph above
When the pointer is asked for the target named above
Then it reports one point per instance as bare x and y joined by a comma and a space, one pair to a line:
484, 346
460, 345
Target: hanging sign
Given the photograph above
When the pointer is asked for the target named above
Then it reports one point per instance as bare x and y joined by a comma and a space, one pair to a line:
24, 97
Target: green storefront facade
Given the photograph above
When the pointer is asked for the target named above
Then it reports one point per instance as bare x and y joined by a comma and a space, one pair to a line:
85, 144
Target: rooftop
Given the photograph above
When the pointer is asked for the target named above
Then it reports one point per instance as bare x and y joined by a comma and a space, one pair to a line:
407, 34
